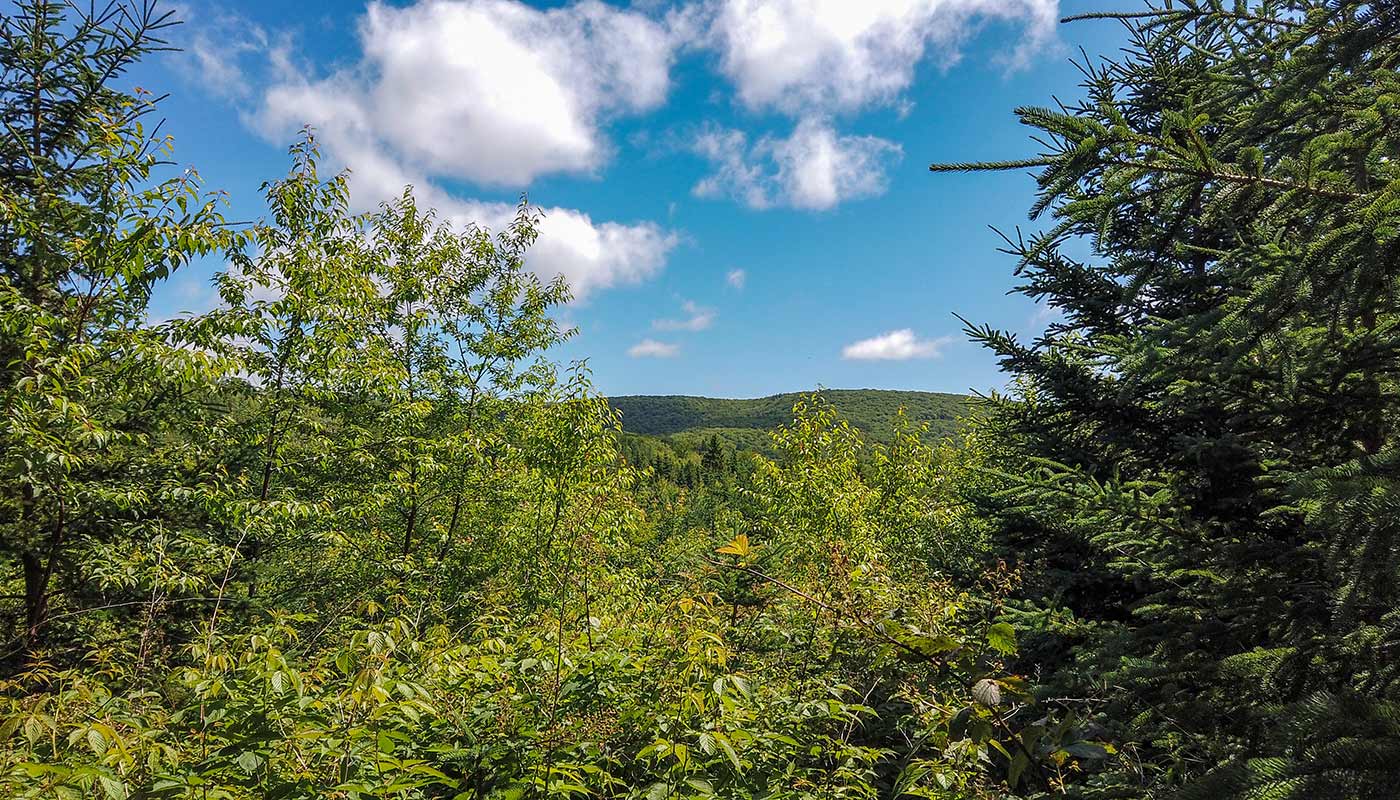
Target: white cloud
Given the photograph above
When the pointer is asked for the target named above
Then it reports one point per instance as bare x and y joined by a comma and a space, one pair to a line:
1043, 315
216, 65
650, 348
817, 59
814, 168
497, 92
736, 278
489, 91
697, 318
897, 345
804, 56
494, 91
225, 53
590, 255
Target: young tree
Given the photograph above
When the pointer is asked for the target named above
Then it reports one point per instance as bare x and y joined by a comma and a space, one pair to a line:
459, 325
1207, 439
87, 227
297, 300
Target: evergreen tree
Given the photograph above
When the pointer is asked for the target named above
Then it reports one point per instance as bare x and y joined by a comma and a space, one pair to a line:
90, 460
1208, 474
714, 458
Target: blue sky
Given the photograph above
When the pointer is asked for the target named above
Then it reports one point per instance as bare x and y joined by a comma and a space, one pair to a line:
737, 189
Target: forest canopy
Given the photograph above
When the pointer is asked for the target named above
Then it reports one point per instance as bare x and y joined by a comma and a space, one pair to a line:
352, 533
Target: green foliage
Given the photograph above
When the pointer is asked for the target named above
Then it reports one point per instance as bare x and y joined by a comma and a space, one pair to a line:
1202, 486
349, 534
95, 461
745, 423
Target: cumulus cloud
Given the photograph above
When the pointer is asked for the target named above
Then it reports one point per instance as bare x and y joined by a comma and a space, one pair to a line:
815, 60
489, 91
899, 345
494, 91
499, 93
736, 279
814, 168
697, 318
591, 255
800, 56
650, 348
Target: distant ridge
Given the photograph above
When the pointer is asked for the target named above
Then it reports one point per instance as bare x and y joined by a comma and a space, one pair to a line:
745, 422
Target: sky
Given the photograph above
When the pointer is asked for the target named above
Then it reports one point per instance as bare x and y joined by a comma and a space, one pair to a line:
737, 190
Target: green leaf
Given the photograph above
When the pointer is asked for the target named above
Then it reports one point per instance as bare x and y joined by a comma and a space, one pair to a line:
113, 788
1019, 762
250, 761
738, 546
1002, 638
1087, 750
728, 749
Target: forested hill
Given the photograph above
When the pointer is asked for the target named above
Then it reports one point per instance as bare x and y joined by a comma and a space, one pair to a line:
870, 410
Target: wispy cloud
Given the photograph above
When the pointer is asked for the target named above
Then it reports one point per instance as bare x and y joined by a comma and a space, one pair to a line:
736, 279
228, 55
697, 318
899, 345
1043, 315
814, 168
650, 348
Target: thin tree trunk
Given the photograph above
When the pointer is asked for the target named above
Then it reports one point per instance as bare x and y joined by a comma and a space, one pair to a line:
36, 598
452, 524
412, 511
38, 570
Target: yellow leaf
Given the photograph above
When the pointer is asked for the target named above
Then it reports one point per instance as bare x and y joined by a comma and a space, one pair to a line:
738, 547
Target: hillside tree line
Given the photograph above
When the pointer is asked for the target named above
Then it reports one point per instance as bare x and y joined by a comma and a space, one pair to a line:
351, 533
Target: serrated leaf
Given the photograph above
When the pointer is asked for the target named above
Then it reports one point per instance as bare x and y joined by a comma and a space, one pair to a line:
1002, 638
113, 788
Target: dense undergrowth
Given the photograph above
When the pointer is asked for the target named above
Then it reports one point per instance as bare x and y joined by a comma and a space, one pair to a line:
350, 533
